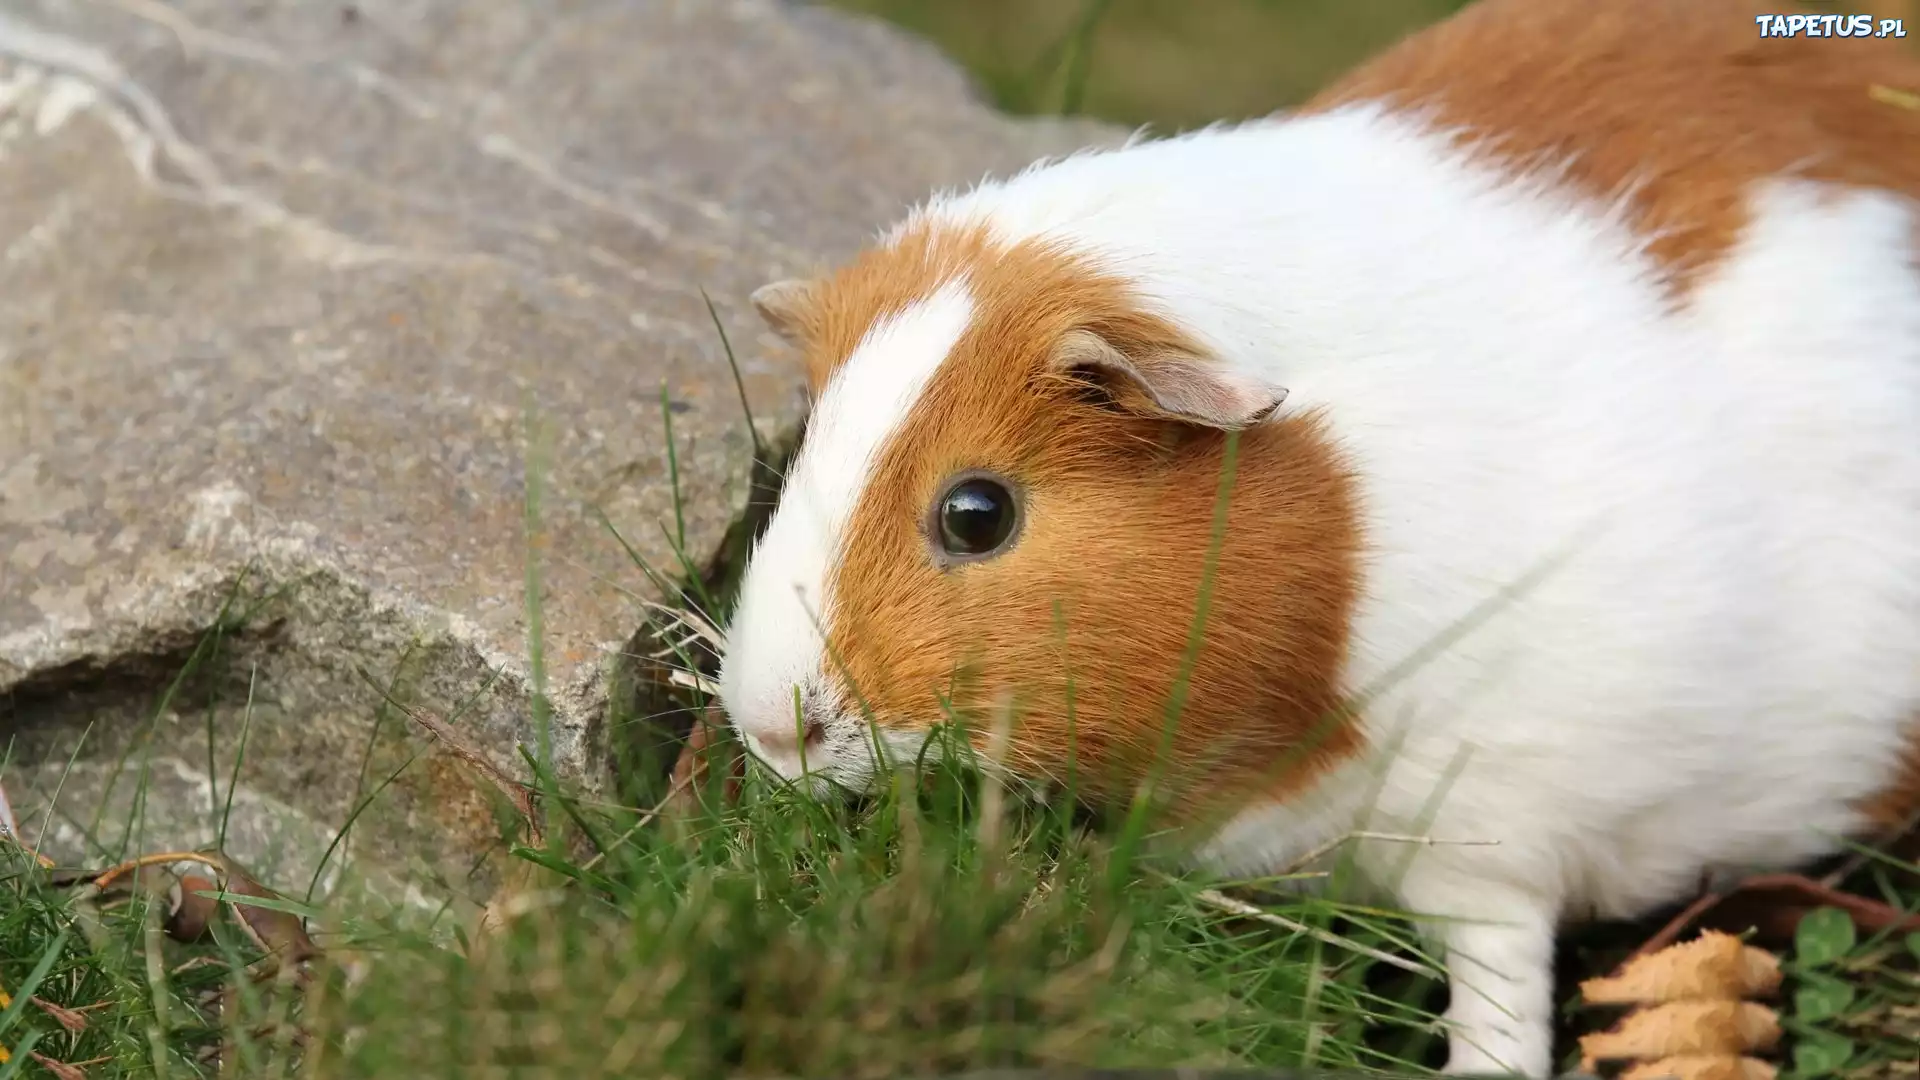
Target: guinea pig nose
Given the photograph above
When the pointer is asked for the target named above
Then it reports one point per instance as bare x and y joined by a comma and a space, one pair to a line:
791, 737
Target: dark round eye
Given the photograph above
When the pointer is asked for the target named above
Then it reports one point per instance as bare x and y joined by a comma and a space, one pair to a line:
975, 517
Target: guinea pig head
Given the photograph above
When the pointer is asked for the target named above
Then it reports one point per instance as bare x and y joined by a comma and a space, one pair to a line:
1005, 505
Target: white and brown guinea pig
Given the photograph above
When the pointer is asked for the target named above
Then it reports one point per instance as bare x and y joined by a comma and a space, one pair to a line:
1600, 321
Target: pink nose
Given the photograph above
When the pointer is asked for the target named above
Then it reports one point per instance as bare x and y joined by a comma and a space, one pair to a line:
789, 738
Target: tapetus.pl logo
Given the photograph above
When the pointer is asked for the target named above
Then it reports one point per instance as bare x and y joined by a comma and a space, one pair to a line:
1807, 25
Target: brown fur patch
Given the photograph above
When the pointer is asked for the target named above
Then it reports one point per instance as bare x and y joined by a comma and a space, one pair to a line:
1892, 811
1085, 620
1678, 104
882, 280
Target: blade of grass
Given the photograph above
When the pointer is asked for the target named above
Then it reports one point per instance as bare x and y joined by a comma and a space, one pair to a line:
360, 805
739, 384
158, 1023
10, 1016
1080, 57
536, 627
571, 808
239, 758
1135, 824
673, 470
12, 1061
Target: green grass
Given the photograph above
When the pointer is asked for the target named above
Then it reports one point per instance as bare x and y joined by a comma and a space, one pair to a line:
905, 937
895, 939
937, 927
1168, 63
1855, 1004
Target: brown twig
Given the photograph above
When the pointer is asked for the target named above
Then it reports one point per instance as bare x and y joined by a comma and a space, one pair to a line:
1316, 854
71, 1019
1773, 904
106, 878
60, 1069
679, 784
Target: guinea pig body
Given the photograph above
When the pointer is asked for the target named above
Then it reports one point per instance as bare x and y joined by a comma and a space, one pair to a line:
1574, 361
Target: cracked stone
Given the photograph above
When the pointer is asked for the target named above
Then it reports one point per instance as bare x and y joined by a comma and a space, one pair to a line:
292, 307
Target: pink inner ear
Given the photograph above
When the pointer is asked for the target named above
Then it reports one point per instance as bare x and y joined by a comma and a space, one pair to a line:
1179, 383
1190, 386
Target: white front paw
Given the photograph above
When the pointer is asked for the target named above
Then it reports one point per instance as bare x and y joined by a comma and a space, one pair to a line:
1500, 982
1508, 1048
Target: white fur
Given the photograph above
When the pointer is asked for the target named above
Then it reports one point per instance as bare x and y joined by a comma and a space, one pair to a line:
774, 643
1720, 503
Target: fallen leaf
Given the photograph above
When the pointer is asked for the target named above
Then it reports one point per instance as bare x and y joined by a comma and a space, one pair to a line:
60, 1069
73, 1021
192, 910
705, 748
1702, 1067
1684, 1027
1714, 966
281, 934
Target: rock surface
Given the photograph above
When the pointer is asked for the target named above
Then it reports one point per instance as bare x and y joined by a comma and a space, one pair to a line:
292, 293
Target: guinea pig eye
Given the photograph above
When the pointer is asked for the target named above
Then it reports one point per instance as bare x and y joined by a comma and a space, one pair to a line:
975, 517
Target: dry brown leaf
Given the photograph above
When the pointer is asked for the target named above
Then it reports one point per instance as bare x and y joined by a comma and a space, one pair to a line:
192, 911
1695, 1020
60, 1069
1702, 1067
705, 748
1684, 1027
280, 934
1714, 966
73, 1021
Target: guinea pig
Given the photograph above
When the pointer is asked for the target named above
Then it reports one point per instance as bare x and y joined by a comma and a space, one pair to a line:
1568, 357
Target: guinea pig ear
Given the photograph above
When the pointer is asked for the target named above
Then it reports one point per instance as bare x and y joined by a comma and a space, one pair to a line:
1169, 381
787, 306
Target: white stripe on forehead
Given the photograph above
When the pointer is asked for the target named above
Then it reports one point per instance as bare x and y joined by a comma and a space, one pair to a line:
774, 642
869, 397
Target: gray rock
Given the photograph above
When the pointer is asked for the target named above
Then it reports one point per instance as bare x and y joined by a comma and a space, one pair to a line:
288, 292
